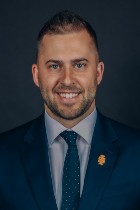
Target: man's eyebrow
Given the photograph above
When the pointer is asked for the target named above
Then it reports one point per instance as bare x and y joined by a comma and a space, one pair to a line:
75, 60
79, 60
53, 61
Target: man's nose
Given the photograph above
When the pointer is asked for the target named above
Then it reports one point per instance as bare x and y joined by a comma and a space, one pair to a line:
67, 77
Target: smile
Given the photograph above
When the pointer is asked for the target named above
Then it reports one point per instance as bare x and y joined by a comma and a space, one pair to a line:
68, 95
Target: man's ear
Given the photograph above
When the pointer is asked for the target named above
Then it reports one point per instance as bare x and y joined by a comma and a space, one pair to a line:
100, 71
35, 74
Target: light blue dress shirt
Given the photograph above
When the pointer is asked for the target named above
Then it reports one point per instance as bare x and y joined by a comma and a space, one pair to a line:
58, 149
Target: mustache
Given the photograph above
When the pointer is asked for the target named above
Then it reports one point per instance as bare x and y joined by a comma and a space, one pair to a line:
64, 87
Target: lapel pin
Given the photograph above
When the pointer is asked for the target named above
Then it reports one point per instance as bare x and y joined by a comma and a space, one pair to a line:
101, 160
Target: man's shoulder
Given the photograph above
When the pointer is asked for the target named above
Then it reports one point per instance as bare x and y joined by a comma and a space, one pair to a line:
121, 130
17, 133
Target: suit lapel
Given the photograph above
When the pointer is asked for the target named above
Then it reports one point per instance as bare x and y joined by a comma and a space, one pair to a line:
34, 155
97, 175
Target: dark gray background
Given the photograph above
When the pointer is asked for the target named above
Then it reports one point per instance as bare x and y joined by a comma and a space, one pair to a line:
118, 28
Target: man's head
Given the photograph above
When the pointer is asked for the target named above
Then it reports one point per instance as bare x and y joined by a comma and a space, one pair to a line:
66, 22
68, 68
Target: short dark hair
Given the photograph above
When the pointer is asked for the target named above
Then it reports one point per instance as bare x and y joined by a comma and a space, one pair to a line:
66, 22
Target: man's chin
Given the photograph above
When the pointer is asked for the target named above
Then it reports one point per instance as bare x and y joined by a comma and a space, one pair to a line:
67, 115
68, 111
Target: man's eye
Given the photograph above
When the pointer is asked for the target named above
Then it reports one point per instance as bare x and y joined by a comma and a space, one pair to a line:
54, 66
80, 65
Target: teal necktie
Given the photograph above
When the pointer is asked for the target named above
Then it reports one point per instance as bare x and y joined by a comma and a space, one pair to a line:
71, 173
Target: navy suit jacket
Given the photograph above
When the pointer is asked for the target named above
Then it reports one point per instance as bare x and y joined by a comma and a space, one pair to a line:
25, 179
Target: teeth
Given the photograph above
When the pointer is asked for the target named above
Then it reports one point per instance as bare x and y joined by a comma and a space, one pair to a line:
68, 95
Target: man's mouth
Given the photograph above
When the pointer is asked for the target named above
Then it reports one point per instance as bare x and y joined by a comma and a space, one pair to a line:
68, 95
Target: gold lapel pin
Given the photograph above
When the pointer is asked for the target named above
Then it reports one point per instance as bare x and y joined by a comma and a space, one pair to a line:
101, 160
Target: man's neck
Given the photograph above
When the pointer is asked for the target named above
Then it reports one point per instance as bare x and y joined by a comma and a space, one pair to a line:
70, 123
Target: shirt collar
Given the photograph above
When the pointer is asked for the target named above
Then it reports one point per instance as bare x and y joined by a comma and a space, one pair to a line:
84, 128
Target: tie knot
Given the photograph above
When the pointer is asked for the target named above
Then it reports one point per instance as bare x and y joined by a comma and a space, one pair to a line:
70, 137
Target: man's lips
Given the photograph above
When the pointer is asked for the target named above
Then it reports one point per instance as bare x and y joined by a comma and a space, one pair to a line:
68, 95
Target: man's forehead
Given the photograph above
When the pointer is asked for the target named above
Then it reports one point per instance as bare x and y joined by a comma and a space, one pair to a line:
73, 34
76, 42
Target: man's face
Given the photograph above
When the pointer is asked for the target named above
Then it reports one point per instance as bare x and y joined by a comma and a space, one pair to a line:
67, 73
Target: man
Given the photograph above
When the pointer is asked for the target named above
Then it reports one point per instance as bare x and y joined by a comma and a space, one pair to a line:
71, 157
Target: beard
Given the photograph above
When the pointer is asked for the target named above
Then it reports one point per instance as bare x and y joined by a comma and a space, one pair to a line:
69, 113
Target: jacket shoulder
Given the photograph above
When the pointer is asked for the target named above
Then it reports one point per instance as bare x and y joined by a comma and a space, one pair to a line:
16, 134
125, 129
121, 130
